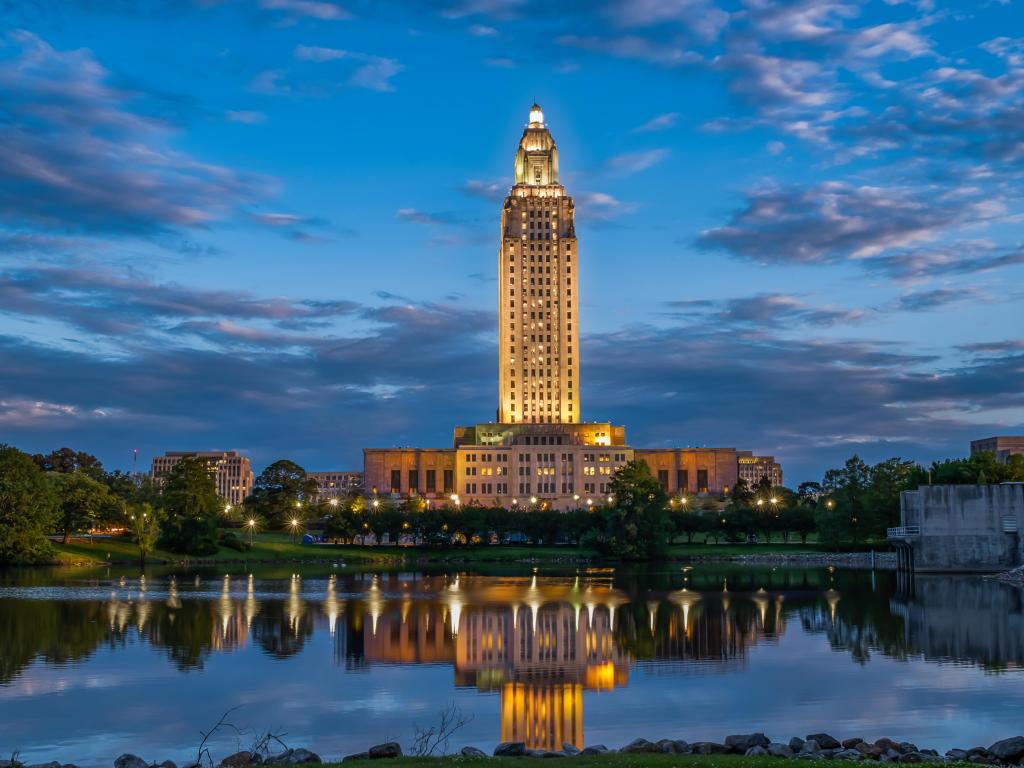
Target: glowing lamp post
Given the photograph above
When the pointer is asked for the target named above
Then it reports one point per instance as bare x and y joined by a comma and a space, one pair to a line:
251, 525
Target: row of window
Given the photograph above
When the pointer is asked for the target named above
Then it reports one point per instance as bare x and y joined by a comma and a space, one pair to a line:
501, 489
683, 480
431, 481
471, 471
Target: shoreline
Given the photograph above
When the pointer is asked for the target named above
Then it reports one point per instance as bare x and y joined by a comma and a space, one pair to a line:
855, 560
741, 750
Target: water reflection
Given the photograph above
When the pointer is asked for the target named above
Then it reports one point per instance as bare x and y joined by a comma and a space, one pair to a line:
539, 643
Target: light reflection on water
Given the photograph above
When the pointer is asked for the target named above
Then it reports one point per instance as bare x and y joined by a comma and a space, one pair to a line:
90, 668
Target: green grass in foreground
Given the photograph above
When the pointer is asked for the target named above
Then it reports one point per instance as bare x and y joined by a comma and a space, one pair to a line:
281, 547
587, 761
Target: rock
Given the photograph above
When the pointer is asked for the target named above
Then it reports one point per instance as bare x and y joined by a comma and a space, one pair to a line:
255, 760
828, 754
707, 748
472, 752
851, 743
872, 751
596, 749
891, 754
238, 759
1009, 750
191, 764
796, 743
810, 756
570, 749
931, 752
885, 743
386, 750
756, 751
779, 750
543, 753
905, 747
810, 747
510, 749
740, 743
824, 741
294, 757
130, 761
848, 754
960, 755
675, 746
356, 756
919, 757
983, 760
640, 746
982, 751
54, 764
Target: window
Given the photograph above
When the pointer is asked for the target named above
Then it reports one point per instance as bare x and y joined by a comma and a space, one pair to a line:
663, 479
702, 481
431, 481
414, 480
682, 479
449, 481
396, 481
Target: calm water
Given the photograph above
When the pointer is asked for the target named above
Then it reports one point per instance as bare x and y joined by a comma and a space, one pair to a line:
92, 665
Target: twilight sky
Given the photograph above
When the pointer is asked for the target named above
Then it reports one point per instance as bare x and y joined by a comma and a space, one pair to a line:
272, 225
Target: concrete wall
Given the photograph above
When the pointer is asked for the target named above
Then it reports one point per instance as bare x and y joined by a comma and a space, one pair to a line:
961, 526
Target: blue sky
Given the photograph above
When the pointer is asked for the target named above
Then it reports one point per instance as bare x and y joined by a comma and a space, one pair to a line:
271, 225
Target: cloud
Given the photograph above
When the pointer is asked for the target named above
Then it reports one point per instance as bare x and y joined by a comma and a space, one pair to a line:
336, 68
834, 221
482, 30
315, 9
658, 123
416, 216
766, 310
487, 190
634, 162
923, 301
501, 62
247, 117
75, 157
600, 207
633, 47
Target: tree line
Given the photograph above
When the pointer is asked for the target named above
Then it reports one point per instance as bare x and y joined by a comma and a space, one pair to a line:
67, 493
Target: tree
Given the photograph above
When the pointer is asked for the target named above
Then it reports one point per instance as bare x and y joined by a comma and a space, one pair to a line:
798, 519
145, 528
741, 495
67, 461
191, 506
27, 508
882, 500
81, 501
688, 521
280, 490
636, 523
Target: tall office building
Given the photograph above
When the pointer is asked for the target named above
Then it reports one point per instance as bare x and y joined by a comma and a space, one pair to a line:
231, 471
537, 289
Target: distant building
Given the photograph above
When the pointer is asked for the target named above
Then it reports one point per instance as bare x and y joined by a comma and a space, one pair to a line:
230, 469
752, 468
1003, 447
330, 484
539, 453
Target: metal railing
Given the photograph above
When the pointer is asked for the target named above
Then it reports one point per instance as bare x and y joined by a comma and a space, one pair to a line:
903, 532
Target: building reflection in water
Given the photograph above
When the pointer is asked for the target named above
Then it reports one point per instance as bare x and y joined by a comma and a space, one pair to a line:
540, 645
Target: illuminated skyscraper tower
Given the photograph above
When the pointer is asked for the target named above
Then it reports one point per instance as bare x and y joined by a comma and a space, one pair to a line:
538, 300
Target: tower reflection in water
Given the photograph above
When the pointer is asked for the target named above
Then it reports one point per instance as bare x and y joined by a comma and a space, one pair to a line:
542, 646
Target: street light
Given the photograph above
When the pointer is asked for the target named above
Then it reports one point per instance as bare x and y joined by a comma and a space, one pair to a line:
455, 499
295, 527
533, 499
252, 527
611, 499
590, 502
376, 503
333, 502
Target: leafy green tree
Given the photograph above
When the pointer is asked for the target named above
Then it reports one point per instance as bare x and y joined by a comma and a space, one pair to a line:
636, 523
688, 521
27, 508
882, 501
740, 494
81, 501
67, 461
807, 494
191, 507
280, 491
980, 468
145, 528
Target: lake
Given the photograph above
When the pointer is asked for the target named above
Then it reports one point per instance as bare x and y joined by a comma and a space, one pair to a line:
93, 664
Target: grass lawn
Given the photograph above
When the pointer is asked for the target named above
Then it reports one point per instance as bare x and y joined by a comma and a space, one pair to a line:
281, 547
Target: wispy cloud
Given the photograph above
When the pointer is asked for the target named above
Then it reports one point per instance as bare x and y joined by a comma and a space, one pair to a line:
634, 162
658, 123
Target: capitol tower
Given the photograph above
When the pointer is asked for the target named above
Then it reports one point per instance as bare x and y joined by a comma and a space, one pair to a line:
539, 453
538, 300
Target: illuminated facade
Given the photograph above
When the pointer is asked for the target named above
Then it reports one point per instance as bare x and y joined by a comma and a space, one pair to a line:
538, 304
539, 452
230, 470
753, 468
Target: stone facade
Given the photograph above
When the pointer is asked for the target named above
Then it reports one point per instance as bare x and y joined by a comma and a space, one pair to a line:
1003, 447
538, 299
230, 469
752, 468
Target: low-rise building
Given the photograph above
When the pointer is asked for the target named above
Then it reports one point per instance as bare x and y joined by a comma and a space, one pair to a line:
960, 528
332, 484
230, 470
1003, 446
